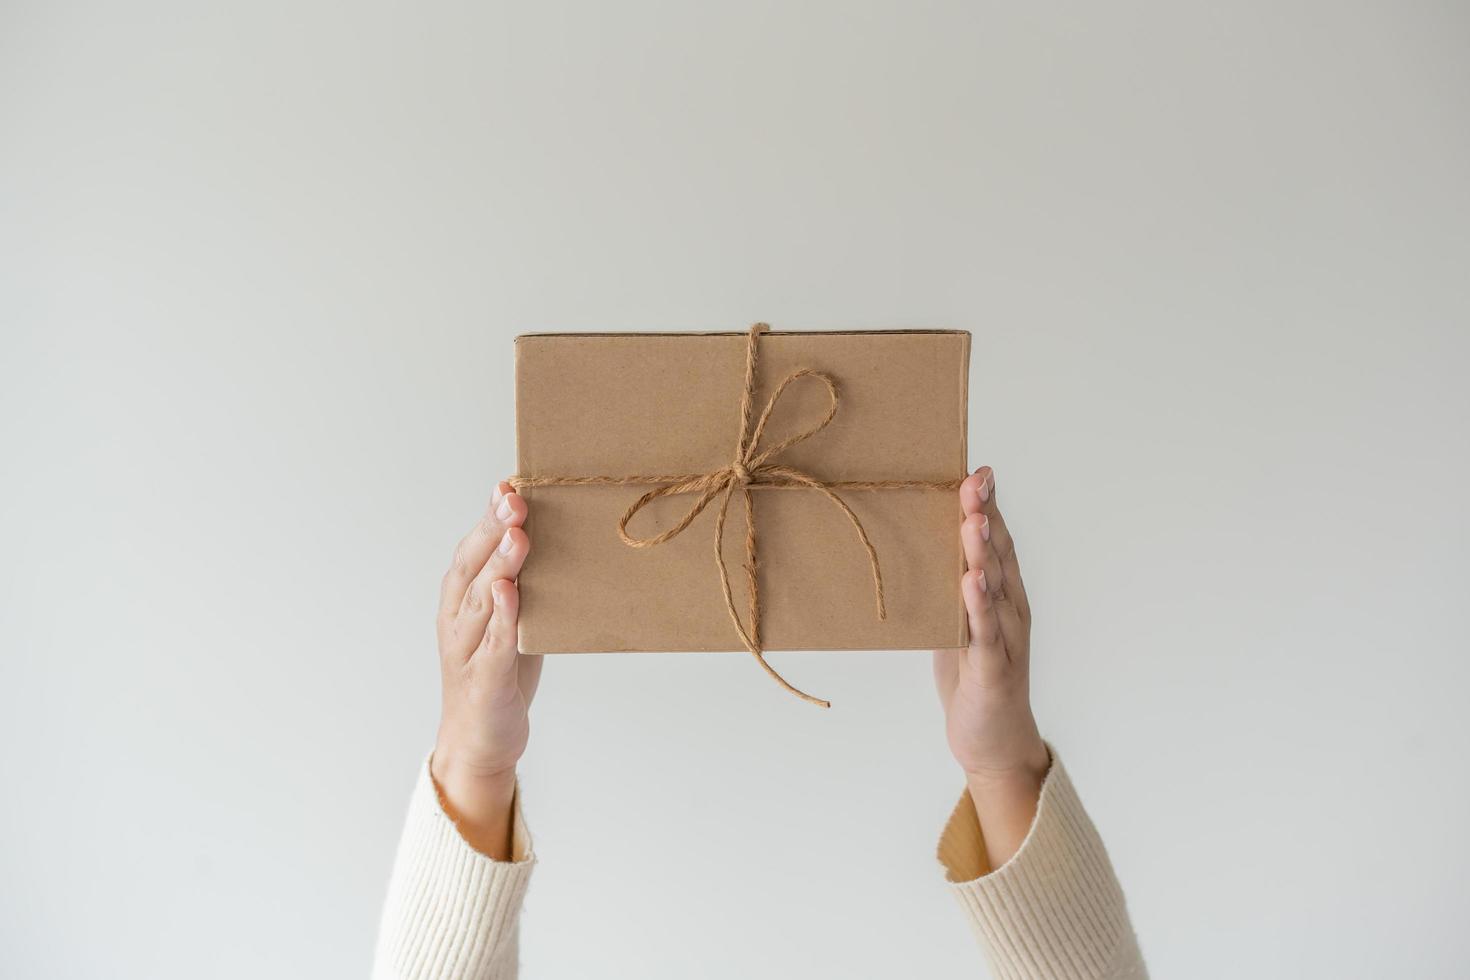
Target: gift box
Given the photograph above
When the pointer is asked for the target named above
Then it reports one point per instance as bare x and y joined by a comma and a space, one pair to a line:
768, 490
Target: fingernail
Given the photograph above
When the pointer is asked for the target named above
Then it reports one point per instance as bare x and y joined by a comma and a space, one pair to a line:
985, 529
495, 495
982, 581
503, 511
505, 543
985, 486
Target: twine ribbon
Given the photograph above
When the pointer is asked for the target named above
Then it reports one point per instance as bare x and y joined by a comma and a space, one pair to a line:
753, 468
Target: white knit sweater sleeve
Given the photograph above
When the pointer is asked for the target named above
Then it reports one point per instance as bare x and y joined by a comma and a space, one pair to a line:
451, 912
1055, 910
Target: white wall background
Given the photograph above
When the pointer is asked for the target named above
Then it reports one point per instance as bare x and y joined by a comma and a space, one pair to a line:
261, 267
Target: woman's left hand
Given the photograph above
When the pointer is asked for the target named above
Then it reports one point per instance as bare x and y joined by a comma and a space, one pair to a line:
985, 688
487, 684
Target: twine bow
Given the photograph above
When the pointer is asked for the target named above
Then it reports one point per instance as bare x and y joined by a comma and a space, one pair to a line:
751, 469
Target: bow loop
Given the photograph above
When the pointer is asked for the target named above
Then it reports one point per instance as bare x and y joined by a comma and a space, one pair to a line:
708, 486
760, 427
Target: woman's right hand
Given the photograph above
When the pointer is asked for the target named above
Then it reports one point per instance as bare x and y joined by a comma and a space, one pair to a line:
487, 684
986, 687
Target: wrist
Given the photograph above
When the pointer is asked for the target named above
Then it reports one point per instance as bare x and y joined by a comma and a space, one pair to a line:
469, 754
1026, 768
450, 762
1010, 792
470, 785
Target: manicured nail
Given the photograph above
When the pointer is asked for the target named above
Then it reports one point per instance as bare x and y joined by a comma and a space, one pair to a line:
985, 489
495, 495
505, 543
503, 511
985, 529
982, 581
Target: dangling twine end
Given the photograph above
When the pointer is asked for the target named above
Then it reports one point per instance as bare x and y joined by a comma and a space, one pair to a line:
760, 658
819, 702
760, 328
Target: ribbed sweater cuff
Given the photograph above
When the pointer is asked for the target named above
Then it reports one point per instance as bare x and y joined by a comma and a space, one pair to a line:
1055, 910
451, 911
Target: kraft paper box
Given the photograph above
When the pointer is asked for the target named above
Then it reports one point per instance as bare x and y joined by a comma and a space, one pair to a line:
613, 406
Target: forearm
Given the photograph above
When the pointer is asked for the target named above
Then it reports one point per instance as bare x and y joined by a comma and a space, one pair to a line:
1005, 805
452, 911
1051, 908
479, 803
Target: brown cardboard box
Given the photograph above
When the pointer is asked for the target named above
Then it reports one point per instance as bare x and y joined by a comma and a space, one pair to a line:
621, 405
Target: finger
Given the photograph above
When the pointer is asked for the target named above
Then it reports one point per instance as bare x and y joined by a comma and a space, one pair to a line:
1004, 545
987, 653
974, 538
970, 490
499, 647
505, 562
980, 553
506, 509
479, 600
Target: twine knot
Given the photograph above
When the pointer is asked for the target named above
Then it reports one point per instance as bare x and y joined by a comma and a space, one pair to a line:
740, 474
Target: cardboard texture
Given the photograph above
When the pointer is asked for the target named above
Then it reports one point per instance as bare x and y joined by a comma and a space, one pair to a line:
618, 405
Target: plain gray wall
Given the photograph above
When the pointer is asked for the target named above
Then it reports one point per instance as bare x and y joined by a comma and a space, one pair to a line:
261, 268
